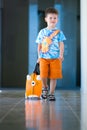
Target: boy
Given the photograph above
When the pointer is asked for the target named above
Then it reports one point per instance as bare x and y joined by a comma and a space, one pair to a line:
50, 53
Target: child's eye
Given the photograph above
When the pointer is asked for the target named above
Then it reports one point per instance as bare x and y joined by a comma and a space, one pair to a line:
50, 17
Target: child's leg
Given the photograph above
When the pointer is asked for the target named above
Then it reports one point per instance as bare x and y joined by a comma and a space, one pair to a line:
51, 96
44, 88
52, 85
44, 67
55, 73
44, 82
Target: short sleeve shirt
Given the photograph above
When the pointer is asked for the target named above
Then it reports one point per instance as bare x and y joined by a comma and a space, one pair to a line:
53, 51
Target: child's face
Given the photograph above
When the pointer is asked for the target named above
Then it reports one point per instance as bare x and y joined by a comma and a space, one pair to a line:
51, 20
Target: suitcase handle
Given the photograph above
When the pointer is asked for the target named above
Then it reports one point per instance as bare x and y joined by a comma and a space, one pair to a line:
37, 70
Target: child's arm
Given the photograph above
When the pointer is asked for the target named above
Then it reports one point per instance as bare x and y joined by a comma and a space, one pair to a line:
39, 48
61, 45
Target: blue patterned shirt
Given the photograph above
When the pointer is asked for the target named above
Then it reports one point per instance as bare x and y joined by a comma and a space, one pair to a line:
54, 50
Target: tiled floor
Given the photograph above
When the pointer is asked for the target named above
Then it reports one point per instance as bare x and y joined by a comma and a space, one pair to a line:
68, 112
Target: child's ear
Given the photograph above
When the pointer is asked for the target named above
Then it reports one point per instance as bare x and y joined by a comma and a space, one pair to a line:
45, 19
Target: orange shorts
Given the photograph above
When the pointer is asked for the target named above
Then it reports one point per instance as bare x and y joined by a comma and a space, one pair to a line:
50, 68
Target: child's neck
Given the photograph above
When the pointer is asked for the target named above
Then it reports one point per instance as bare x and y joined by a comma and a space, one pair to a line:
50, 28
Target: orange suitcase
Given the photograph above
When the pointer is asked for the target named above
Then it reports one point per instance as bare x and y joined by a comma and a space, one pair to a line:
33, 85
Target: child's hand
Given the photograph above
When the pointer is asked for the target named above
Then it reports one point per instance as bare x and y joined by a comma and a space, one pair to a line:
38, 60
61, 57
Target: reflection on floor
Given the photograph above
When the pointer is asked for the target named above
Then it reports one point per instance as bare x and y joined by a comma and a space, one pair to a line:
68, 112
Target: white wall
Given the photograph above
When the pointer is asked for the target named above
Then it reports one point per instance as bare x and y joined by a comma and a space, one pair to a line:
1, 6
